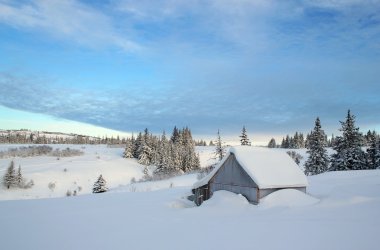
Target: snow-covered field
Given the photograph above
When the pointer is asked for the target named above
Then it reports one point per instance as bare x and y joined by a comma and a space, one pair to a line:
340, 211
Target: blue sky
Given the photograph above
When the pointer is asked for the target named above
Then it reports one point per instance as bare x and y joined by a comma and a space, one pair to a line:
126, 65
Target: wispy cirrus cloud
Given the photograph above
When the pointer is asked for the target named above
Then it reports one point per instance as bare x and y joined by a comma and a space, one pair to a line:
69, 20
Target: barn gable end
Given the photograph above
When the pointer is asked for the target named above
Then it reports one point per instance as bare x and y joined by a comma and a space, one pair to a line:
232, 177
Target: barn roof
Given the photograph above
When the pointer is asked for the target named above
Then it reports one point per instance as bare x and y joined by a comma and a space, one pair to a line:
268, 168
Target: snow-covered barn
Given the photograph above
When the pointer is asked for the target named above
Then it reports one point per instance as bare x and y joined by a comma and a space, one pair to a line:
253, 172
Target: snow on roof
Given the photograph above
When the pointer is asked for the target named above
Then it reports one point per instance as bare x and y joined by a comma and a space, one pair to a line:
268, 168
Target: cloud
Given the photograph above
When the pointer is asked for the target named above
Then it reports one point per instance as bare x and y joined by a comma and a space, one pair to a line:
273, 108
70, 20
271, 65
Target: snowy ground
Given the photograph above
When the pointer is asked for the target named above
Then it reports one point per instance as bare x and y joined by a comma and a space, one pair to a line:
341, 211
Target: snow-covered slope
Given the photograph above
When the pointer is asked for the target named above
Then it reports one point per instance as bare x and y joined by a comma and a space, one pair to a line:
71, 173
344, 214
339, 211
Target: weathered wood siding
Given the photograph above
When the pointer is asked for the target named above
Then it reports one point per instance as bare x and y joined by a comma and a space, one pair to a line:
265, 192
232, 177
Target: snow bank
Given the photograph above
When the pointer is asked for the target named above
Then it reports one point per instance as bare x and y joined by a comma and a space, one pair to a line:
225, 198
287, 198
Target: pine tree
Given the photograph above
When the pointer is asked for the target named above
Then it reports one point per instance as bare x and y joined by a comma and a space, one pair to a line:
175, 136
272, 143
373, 152
10, 178
220, 150
100, 185
128, 152
244, 141
349, 155
19, 178
318, 161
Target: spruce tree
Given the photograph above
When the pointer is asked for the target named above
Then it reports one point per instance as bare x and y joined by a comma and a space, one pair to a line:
220, 150
318, 161
128, 152
10, 178
349, 155
272, 143
100, 185
19, 178
244, 141
373, 152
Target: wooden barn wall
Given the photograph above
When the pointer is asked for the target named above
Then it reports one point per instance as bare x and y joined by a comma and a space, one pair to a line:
232, 177
265, 192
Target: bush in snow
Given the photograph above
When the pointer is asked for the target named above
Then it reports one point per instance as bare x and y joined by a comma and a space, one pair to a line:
205, 171
295, 156
133, 180
51, 186
29, 184
100, 185
68, 193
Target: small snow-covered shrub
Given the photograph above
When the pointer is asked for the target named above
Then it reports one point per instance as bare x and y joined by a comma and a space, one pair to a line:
68, 152
295, 156
51, 186
30, 184
205, 171
68, 193
133, 180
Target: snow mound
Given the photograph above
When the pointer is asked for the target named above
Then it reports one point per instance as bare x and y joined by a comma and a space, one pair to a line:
287, 198
225, 198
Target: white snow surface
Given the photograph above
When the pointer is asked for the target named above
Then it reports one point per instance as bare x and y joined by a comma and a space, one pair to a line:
269, 168
339, 211
288, 198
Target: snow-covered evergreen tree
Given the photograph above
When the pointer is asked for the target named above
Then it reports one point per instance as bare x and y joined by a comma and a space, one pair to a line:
145, 154
19, 178
10, 177
244, 141
128, 152
100, 185
373, 151
272, 143
220, 149
318, 160
349, 155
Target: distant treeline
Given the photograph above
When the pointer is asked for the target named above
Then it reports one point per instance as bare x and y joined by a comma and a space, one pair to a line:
42, 137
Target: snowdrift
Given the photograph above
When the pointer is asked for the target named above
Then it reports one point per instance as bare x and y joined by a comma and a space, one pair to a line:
287, 198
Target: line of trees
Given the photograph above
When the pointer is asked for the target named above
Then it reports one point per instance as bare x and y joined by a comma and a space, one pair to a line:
36, 137
348, 155
171, 156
